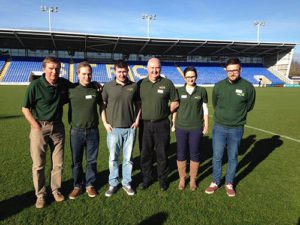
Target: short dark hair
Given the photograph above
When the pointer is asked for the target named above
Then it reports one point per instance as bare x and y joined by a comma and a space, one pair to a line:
190, 68
233, 61
121, 64
84, 64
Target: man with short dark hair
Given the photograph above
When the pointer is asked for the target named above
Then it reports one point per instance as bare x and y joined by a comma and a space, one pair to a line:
156, 93
120, 117
83, 117
232, 99
43, 108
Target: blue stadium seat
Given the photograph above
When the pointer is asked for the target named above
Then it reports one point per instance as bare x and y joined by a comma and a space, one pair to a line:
2, 63
21, 67
208, 73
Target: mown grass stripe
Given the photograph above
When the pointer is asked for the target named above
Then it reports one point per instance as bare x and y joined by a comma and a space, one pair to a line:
270, 132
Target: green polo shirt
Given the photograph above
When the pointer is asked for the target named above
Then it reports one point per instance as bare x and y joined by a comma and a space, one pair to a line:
190, 112
120, 103
46, 101
155, 98
232, 102
83, 111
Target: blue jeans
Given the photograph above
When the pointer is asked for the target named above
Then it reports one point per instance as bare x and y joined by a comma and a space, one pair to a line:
88, 139
117, 139
222, 137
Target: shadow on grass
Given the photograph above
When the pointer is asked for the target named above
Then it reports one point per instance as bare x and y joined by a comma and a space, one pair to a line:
16, 204
260, 151
157, 219
10, 117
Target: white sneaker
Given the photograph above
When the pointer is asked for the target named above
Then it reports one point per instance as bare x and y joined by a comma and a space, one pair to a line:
111, 190
128, 190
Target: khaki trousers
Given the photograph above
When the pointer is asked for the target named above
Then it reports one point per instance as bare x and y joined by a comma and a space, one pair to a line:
52, 134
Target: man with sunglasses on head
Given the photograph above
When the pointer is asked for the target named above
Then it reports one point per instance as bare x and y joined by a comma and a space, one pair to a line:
232, 99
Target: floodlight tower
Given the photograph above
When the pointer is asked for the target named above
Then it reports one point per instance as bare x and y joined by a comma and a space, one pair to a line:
148, 17
258, 24
52, 9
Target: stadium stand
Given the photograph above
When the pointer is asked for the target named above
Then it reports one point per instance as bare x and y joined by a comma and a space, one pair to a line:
257, 70
2, 63
99, 73
212, 73
20, 69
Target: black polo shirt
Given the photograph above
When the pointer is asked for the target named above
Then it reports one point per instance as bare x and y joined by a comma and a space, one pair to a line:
120, 101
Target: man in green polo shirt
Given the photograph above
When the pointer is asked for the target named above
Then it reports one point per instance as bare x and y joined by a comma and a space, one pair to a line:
120, 117
159, 98
83, 117
232, 99
43, 108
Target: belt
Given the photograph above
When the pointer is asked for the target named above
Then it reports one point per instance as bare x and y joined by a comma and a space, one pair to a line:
44, 122
155, 121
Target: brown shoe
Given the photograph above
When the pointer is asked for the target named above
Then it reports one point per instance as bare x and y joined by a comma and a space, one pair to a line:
91, 192
40, 202
75, 193
58, 197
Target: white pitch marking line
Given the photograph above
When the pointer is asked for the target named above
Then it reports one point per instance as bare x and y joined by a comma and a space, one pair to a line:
269, 132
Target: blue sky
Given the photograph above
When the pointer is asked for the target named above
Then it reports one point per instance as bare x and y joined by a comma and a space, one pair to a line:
194, 19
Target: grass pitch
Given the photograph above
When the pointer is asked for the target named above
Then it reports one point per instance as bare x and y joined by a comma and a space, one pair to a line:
268, 183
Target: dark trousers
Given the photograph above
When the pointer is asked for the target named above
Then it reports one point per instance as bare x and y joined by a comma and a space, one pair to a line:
188, 141
156, 138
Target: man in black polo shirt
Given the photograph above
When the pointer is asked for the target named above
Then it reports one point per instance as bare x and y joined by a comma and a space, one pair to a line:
43, 108
156, 92
120, 117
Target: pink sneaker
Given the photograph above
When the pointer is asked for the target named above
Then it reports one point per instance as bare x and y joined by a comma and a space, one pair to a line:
212, 188
229, 190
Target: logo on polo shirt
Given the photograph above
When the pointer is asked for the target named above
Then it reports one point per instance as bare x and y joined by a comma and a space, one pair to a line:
130, 89
239, 92
161, 89
197, 97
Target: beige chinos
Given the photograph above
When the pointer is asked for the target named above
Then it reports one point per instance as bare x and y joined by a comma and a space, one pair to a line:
53, 134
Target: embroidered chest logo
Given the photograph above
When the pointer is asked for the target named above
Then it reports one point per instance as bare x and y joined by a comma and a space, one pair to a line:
130, 89
197, 97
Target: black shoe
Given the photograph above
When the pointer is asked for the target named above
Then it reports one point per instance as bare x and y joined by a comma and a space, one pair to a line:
163, 187
144, 186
